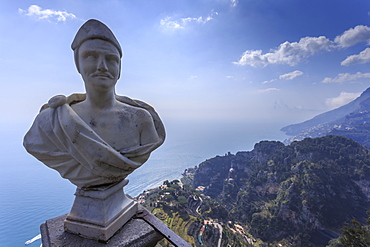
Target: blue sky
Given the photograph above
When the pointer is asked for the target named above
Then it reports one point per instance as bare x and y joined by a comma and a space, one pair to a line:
197, 62
222, 74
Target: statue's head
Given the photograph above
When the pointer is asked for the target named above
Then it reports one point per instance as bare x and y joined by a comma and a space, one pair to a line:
97, 52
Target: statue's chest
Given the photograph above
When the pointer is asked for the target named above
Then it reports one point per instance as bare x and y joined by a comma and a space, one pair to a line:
118, 130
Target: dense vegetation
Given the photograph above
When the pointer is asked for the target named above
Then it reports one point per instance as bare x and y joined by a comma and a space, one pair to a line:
177, 205
354, 234
291, 192
296, 195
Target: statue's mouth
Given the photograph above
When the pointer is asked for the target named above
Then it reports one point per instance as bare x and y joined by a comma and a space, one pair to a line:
103, 75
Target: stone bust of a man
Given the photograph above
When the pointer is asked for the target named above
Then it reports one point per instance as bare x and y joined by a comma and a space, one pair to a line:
96, 138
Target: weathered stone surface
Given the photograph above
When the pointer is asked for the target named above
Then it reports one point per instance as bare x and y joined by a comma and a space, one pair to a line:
95, 140
98, 213
135, 233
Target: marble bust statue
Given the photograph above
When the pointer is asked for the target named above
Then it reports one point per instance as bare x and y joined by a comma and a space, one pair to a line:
97, 138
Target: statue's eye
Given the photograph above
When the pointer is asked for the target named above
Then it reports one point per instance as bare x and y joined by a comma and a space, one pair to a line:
90, 55
112, 58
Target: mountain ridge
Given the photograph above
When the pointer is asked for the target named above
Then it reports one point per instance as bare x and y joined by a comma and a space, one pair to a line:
351, 120
295, 195
282, 191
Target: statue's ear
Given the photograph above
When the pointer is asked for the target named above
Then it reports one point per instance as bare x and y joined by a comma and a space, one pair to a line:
119, 70
76, 60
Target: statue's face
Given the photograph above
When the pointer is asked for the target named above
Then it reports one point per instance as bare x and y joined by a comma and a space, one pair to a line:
99, 64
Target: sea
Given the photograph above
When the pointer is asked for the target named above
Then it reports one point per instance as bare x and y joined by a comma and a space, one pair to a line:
31, 193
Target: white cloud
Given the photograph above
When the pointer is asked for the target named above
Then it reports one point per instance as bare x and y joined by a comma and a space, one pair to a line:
287, 76
341, 100
363, 57
169, 24
293, 53
234, 3
291, 75
269, 81
286, 53
268, 90
353, 36
346, 77
39, 13
253, 58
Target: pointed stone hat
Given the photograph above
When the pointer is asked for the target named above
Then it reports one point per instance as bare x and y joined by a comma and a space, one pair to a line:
94, 29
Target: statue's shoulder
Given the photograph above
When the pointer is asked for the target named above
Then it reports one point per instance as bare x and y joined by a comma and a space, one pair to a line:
141, 104
59, 100
136, 110
134, 102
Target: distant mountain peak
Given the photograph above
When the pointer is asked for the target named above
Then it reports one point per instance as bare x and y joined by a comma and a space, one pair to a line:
366, 93
351, 116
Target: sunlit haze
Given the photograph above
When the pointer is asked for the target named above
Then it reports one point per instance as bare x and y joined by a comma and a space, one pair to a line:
212, 67
218, 60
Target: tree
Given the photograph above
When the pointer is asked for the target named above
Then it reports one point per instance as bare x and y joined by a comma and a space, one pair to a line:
355, 234
182, 200
166, 183
175, 186
168, 198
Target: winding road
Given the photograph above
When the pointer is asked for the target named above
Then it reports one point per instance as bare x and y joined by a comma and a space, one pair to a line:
220, 238
201, 202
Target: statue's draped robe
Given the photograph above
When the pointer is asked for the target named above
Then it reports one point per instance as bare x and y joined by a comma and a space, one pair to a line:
63, 141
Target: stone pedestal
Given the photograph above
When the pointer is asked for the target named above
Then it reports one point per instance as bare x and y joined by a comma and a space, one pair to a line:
98, 213
135, 233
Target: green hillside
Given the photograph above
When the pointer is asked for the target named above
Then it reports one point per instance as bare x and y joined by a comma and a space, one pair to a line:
296, 195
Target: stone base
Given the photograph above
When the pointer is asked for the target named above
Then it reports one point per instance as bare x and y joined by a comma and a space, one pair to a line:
135, 233
98, 213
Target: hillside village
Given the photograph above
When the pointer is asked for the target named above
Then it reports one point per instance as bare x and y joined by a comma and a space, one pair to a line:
296, 195
293, 194
180, 207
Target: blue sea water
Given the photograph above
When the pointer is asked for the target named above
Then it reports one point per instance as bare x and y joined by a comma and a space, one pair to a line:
32, 193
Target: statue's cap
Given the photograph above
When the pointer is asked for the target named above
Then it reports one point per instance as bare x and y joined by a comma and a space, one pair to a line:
94, 29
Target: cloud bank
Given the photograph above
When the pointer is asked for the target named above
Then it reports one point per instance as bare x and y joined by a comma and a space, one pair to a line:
341, 100
346, 77
363, 57
353, 36
292, 53
269, 81
286, 53
291, 75
39, 13
168, 23
287, 76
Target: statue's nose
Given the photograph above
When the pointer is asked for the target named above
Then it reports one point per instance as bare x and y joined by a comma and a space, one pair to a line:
102, 65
